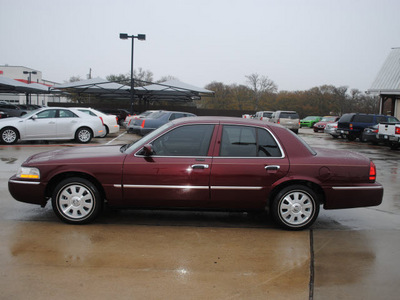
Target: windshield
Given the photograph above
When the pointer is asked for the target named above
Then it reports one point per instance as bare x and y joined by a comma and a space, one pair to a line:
30, 114
328, 119
129, 148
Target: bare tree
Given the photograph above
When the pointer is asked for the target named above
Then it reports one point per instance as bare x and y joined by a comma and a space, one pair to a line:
260, 85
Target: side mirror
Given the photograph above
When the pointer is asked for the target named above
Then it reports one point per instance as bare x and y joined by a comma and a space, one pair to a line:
148, 150
34, 117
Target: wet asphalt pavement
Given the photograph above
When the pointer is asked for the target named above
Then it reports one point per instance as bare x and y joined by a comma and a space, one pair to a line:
347, 254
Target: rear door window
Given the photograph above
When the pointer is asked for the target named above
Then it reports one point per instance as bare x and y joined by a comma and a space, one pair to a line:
245, 141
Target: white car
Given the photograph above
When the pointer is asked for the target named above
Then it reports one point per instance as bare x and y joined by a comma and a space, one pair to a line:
51, 123
110, 121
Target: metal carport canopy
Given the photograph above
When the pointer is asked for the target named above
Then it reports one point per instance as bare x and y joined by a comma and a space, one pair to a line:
8, 85
172, 89
168, 90
96, 86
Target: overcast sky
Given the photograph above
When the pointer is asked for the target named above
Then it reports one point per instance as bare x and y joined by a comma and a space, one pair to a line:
299, 44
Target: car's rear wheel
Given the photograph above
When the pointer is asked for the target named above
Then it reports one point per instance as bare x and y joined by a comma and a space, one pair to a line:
83, 135
76, 201
295, 207
9, 135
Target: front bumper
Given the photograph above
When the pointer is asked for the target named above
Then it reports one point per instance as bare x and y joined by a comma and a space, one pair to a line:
27, 191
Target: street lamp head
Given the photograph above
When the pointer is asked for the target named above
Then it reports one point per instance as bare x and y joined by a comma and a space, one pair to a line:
26, 72
34, 72
141, 37
123, 36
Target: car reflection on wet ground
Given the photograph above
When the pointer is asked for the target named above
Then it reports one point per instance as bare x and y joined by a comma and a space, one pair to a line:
347, 254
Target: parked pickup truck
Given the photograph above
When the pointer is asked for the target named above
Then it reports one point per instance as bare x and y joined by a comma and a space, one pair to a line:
390, 134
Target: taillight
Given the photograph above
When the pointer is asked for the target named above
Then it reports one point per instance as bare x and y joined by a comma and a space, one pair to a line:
129, 122
375, 131
279, 121
101, 120
143, 123
397, 130
116, 119
351, 126
261, 118
372, 172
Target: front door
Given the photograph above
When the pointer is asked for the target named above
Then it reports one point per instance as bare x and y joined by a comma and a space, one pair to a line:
44, 125
177, 174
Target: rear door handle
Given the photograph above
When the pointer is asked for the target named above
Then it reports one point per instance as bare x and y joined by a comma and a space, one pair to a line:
199, 166
272, 168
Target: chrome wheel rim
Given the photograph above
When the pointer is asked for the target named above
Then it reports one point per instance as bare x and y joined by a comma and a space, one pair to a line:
296, 208
76, 201
84, 135
9, 136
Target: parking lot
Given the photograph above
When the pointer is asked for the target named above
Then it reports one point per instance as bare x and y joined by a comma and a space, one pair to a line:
347, 254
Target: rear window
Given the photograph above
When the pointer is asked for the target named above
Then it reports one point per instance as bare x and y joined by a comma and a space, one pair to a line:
156, 115
287, 115
267, 114
363, 119
392, 120
345, 118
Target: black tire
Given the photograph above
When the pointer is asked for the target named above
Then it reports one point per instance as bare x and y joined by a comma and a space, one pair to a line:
83, 135
295, 207
363, 139
76, 201
9, 135
351, 137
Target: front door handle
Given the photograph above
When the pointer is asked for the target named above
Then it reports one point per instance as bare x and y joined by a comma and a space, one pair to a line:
272, 168
200, 166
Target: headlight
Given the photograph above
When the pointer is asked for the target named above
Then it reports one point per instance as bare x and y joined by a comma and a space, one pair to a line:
30, 173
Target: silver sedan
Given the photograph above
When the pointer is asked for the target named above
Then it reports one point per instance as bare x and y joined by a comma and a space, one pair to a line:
51, 123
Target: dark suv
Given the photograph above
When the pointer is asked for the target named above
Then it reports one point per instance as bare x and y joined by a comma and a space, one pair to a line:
12, 110
352, 125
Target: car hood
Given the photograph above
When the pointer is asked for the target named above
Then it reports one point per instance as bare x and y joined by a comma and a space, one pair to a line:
78, 155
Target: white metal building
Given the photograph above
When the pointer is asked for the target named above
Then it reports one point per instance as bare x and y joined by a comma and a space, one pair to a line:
387, 84
27, 75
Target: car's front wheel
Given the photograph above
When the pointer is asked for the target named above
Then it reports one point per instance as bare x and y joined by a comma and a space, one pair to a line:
9, 135
295, 207
76, 201
83, 135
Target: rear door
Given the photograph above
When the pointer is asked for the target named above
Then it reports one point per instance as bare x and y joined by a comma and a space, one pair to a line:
67, 123
247, 163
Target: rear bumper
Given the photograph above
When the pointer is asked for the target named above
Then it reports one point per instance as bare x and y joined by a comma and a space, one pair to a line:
353, 196
389, 138
139, 130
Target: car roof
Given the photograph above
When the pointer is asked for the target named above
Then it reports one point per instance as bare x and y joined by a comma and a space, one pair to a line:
222, 120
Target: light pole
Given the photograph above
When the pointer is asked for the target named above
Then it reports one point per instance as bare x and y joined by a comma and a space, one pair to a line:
29, 81
140, 37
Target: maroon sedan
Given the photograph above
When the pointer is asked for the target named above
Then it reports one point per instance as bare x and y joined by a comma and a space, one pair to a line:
201, 163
